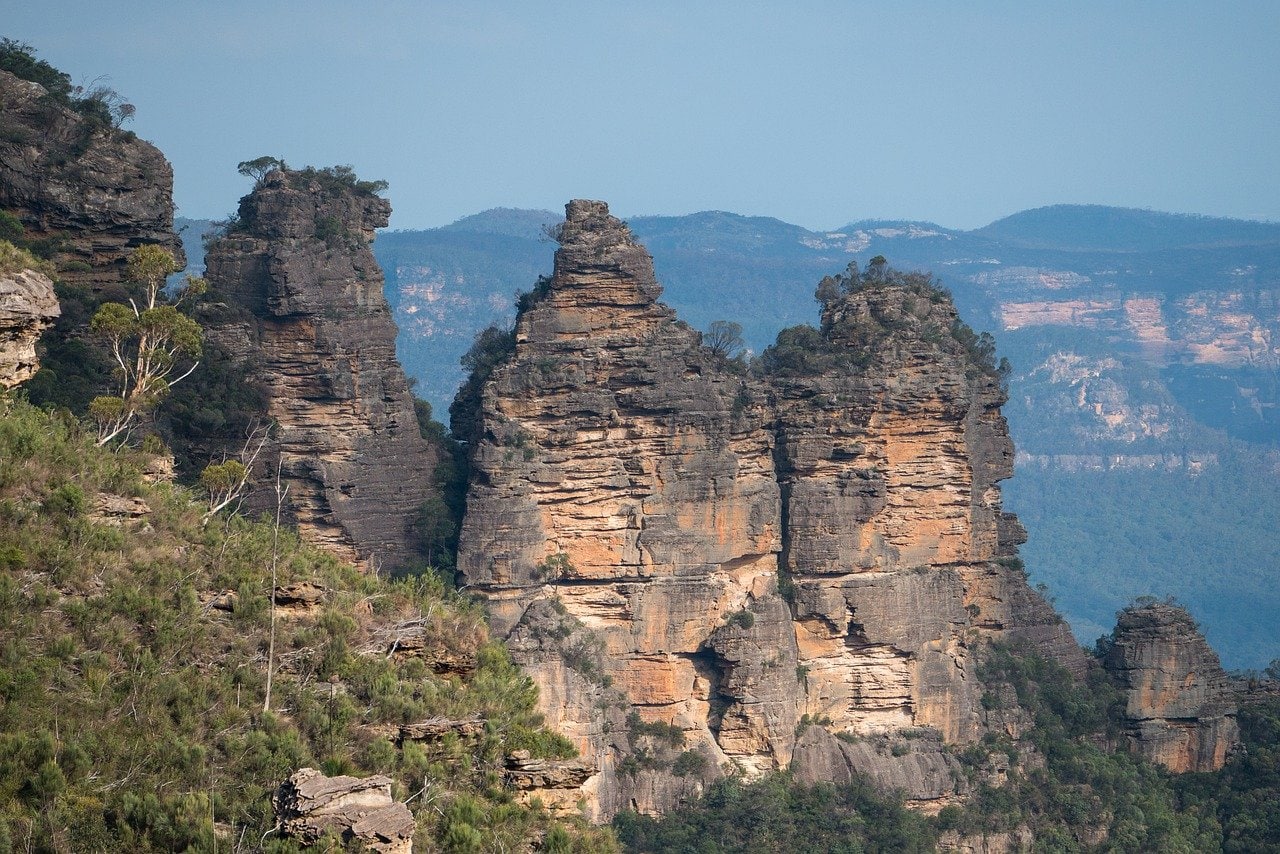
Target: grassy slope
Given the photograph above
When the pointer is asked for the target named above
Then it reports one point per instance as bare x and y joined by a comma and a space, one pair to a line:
131, 714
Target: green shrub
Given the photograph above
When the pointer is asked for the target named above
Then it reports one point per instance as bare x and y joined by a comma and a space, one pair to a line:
112, 669
66, 500
688, 763
14, 259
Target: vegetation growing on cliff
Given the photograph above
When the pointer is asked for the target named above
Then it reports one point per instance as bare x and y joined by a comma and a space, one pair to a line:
14, 259
778, 814
1067, 790
489, 350
134, 643
100, 107
855, 331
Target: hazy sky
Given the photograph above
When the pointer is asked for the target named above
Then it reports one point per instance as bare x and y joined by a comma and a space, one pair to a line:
817, 113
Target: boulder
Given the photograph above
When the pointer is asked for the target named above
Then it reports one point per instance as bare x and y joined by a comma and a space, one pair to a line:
310, 805
27, 306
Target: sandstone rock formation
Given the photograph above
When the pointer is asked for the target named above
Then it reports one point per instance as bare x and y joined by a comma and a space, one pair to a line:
92, 192
307, 315
27, 306
1180, 707
359, 811
555, 783
689, 560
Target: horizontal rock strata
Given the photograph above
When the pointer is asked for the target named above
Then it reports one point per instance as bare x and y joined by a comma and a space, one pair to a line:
360, 811
1180, 706
91, 194
307, 314
694, 564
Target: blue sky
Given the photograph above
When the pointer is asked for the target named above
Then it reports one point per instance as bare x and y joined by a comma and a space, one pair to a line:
818, 113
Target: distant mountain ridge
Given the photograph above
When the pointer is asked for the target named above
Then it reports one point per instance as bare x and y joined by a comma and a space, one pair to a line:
1108, 229
512, 222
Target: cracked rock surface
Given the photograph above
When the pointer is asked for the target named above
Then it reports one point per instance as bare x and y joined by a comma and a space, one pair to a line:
1180, 708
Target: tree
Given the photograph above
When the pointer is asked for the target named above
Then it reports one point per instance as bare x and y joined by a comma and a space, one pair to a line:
828, 291
258, 168
19, 59
227, 481
150, 345
723, 338
436, 529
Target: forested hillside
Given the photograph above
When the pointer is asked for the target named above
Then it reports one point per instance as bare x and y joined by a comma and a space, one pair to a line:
155, 692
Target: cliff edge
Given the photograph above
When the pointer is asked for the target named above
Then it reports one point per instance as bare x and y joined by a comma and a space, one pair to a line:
1180, 709
84, 190
27, 306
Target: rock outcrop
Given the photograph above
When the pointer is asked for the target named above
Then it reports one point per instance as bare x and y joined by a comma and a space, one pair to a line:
690, 560
1180, 706
306, 314
358, 811
87, 191
27, 306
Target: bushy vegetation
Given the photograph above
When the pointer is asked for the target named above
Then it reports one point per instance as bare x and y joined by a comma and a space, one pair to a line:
1242, 797
439, 519
135, 658
491, 348
1083, 796
333, 179
23, 253
14, 259
802, 351
100, 107
778, 814
851, 339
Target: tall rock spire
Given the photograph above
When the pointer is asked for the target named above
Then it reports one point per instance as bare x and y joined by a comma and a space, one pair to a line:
315, 330
694, 563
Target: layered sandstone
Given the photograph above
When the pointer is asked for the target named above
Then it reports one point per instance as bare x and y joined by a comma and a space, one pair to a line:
306, 314
1180, 706
90, 193
621, 474
27, 306
360, 811
634, 497
897, 546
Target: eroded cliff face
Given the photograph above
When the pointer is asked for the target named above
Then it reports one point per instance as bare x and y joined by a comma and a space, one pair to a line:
634, 497
306, 313
92, 193
900, 554
1180, 707
27, 306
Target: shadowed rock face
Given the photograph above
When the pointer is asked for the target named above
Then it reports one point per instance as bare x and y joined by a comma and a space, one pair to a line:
633, 499
98, 193
1180, 707
309, 317
27, 306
